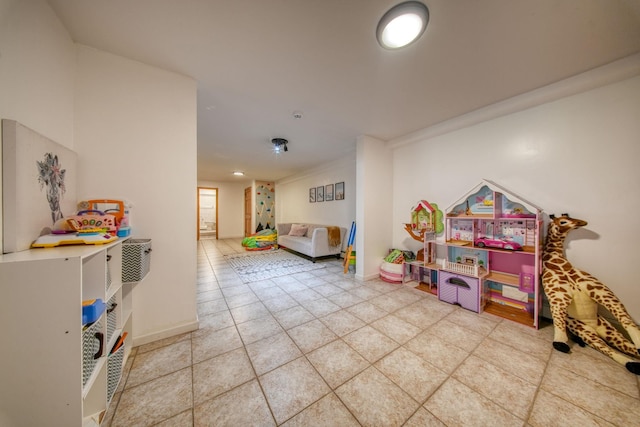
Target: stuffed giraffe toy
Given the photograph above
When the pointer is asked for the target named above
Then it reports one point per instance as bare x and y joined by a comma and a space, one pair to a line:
574, 296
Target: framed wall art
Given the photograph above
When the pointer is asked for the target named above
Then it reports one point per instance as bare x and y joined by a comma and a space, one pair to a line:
312, 195
320, 194
339, 191
328, 192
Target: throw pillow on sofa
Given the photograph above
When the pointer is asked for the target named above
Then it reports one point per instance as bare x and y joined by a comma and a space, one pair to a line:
298, 230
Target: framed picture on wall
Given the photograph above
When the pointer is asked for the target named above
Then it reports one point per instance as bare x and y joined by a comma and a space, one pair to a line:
328, 192
312, 195
340, 190
320, 194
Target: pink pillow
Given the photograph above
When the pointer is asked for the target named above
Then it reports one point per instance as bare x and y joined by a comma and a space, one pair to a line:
298, 230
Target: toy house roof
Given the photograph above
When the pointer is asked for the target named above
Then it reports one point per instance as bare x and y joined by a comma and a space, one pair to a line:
496, 188
423, 204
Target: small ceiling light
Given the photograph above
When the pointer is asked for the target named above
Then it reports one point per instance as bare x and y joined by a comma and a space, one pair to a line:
238, 173
279, 145
297, 114
402, 24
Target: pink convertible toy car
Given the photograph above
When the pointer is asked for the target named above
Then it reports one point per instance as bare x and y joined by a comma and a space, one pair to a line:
497, 243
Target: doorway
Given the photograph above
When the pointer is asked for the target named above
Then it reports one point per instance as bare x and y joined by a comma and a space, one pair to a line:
207, 213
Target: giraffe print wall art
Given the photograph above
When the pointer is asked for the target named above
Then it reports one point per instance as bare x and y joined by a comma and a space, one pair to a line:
574, 296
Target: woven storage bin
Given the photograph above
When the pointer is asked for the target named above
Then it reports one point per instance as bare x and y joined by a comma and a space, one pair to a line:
91, 344
114, 370
111, 317
136, 259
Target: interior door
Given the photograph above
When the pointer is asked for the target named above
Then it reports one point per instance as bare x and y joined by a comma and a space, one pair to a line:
207, 221
247, 212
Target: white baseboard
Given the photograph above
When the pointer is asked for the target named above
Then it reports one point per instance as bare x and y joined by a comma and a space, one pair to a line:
166, 333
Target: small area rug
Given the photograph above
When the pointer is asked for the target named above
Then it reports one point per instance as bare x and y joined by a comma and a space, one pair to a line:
269, 264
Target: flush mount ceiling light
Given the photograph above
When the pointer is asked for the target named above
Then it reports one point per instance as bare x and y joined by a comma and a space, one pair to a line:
402, 24
279, 145
238, 173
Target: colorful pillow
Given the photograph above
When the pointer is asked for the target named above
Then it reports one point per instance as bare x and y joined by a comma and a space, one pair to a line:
298, 230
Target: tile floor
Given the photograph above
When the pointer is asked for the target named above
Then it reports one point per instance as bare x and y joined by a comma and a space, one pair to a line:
321, 349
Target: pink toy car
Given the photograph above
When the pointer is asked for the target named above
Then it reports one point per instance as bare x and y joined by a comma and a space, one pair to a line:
497, 243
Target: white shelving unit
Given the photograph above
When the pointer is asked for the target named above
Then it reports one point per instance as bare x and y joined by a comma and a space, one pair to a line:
41, 369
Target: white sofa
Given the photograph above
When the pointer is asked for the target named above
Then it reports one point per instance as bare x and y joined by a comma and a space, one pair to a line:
313, 244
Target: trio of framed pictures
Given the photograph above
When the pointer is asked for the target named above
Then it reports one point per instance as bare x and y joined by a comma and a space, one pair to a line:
327, 193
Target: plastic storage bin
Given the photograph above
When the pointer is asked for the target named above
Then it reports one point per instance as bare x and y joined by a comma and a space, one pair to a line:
136, 259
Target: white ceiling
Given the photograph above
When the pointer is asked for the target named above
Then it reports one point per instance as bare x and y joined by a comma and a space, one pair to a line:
258, 61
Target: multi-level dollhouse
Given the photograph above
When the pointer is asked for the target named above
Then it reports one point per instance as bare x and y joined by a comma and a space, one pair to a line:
493, 248
493, 240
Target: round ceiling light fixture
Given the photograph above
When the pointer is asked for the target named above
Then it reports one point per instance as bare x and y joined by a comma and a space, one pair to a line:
402, 24
279, 145
238, 173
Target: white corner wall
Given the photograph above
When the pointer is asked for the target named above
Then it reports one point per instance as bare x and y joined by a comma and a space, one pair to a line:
292, 195
37, 71
578, 154
135, 133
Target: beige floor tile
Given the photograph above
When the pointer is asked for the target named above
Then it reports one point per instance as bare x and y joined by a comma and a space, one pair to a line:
270, 292
470, 320
328, 289
327, 412
241, 300
184, 419
279, 303
396, 328
155, 401
242, 406
272, 352
375, 401
342, 322
249, 312
220, 374
208, 295
423, 418
345, 299
609, 373
311, 335
612, 405
337, 362
293, 317
236, 290
413, 374
516, 362
419, 314
320, 307
159, 362
504, 389
163, 342
435, 350
523, 338
365, 292
455, 404
291, 388
215, 343
256, 329
388, 303
550, 411
456, 335
211, 307
313, 281
367, 312
305, 295
371, 344
213, 322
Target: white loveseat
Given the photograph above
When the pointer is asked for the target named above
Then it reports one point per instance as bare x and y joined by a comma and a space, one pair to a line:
314, 243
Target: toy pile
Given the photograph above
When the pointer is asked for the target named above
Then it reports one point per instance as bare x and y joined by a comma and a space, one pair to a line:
262, 240
391, 268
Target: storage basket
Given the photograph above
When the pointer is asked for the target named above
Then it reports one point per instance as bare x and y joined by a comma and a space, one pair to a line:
111, 317
114, 370
136, 259
92, 341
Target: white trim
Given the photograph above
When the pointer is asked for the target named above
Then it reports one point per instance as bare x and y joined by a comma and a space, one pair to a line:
166, 333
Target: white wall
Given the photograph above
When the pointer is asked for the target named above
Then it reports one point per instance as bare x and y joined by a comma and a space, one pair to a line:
292, 195
374, 221
578, 154
136, 140
230, 207
37, 71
